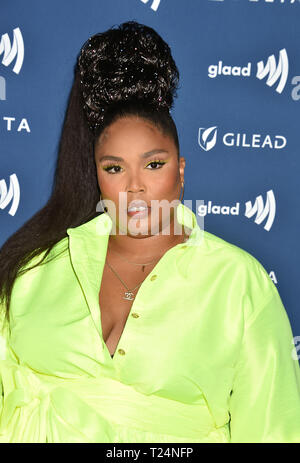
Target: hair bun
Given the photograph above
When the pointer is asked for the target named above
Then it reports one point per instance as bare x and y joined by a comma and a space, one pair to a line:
129, 63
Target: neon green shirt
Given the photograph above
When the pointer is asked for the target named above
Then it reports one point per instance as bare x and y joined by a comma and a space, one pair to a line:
206, 354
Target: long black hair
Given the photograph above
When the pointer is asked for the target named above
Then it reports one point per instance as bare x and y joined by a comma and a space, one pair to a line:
128, 70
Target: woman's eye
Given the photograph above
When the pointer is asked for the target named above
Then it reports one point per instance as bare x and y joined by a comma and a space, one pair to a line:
160, 163
108, 169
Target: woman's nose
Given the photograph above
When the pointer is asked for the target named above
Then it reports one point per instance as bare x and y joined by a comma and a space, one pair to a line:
135, 184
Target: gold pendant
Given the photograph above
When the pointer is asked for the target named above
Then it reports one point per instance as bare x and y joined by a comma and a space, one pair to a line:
129, 296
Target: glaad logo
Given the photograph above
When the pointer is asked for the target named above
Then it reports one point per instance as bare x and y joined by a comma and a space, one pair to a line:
16, 50
13, 194
296, 89
258, 208
262, 210
155, 4
207, 139
274, 71
10, 52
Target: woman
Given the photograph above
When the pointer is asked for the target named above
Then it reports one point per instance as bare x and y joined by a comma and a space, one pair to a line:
136, 326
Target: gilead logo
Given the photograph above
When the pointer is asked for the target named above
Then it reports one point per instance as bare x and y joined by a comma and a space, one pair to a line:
207, 139
272, 70
258, 209
254, 141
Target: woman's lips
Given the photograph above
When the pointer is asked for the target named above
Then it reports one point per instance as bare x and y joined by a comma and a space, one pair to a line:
139, 214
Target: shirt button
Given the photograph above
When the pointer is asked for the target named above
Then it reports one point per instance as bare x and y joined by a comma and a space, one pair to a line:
135, 315
153, 277
121, 351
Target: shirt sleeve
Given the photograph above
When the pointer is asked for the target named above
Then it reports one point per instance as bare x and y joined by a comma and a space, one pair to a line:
3, 341
264, 404
3, 332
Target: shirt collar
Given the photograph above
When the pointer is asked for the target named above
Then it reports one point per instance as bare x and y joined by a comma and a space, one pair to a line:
91, 238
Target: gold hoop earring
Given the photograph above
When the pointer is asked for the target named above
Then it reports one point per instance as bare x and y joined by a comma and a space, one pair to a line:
182, 185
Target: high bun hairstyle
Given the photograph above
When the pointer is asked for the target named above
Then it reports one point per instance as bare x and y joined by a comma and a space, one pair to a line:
128, 70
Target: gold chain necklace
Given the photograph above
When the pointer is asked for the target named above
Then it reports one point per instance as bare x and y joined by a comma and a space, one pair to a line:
129, 293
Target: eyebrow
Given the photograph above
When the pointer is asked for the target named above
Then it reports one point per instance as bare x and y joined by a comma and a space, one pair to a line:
143, 155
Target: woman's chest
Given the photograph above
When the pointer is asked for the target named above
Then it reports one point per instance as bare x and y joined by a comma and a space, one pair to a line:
117, 292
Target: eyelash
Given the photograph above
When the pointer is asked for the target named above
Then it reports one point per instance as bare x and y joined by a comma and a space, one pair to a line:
161, 163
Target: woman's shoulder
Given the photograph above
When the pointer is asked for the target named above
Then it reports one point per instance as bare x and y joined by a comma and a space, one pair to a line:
43, 265
216, 246
237, 265
232, 277
58, 250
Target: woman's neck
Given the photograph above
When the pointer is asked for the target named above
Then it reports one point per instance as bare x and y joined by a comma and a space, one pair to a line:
144, 248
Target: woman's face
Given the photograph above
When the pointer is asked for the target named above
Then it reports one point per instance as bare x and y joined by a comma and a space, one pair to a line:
136, 161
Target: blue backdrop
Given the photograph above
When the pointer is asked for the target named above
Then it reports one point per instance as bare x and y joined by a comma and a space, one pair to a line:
237, 113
